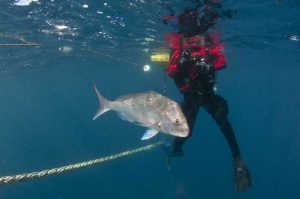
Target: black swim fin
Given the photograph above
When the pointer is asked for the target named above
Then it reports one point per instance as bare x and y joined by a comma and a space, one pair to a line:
242, 176
242, 180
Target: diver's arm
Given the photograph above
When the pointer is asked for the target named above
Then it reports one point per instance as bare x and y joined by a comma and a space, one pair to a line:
177, 71
182, 83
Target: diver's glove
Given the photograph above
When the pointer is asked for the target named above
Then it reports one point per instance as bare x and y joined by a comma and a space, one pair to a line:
185, 88
242, 177
184, 59
203, 66
171, 151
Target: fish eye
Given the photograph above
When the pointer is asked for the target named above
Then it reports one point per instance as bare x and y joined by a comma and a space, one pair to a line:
177, 122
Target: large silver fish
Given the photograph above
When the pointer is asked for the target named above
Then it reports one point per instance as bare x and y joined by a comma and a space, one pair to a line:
150, 109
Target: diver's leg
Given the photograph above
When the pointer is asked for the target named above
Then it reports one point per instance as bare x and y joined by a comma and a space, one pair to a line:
217, 107
190, 108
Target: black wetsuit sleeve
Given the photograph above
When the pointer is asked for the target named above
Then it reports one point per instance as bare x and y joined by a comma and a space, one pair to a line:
180, 80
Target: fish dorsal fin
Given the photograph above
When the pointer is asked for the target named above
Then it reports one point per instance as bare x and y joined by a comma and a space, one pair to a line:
149, 134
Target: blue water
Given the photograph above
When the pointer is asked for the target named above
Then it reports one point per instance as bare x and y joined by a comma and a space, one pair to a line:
47, 101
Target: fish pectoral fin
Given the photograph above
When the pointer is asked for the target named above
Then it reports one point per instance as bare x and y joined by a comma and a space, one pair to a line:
149, 134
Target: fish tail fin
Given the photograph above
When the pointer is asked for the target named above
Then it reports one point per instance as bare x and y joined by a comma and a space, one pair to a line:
103, 104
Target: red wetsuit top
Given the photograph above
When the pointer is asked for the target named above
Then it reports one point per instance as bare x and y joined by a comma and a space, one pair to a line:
197, 52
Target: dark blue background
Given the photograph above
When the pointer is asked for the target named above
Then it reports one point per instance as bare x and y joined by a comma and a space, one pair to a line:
47, 102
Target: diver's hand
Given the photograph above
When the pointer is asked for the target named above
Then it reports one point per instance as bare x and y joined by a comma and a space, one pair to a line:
169, 150
185, 88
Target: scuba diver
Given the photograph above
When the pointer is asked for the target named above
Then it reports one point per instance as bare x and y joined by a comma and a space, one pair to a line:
196, 55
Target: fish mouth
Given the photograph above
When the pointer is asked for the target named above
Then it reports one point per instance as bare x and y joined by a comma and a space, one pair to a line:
179, 130
183, 134
185, 131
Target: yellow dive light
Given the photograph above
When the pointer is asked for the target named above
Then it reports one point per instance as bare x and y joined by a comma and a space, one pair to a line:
160, 58
165, 57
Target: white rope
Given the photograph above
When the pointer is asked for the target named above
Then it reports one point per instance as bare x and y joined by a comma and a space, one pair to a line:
63, 169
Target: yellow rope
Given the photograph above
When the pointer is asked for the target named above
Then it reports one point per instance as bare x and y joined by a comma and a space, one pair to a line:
26, 43
63, 169
33, 44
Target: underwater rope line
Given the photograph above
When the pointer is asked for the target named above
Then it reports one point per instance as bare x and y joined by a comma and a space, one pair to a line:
26, 43
63, 169
29, 44
164, 87
109, 56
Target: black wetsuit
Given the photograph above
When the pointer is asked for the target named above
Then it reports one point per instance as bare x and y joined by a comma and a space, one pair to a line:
193, 71
201, 94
